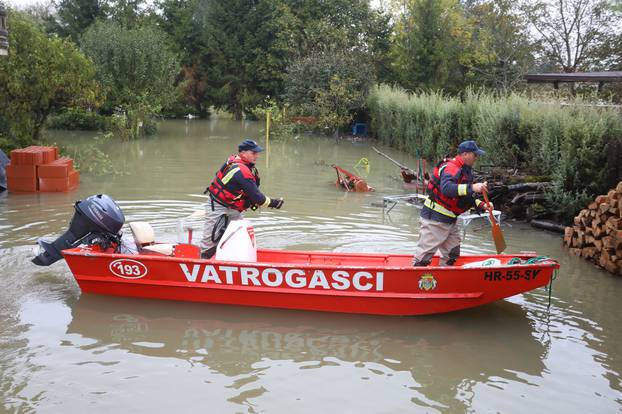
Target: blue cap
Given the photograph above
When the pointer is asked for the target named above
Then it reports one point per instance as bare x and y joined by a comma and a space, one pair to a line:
470, 146
249, 145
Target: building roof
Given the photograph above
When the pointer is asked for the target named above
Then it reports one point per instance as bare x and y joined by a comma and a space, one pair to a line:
575, 77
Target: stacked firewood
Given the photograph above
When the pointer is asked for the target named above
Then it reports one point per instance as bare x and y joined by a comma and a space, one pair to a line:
597, 232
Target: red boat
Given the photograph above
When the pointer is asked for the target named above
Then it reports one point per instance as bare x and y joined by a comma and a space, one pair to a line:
335, 282
383, 284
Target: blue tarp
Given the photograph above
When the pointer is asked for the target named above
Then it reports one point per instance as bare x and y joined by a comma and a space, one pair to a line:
4, 161
359, 129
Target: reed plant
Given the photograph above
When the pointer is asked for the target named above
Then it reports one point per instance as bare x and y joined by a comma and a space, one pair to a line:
577, 145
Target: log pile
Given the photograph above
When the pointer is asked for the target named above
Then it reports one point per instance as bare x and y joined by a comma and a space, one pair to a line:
597, 232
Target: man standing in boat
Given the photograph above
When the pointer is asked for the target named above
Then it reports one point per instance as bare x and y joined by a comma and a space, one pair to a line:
451, 192
234, 189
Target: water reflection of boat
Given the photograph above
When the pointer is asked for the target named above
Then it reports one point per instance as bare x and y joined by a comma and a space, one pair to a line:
474, 344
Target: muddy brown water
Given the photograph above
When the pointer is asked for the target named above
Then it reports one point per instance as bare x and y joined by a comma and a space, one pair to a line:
63, 351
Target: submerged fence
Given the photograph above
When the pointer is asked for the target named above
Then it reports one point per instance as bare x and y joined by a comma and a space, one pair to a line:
578, 146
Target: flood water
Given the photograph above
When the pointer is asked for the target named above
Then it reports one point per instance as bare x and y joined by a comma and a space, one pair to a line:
63, 351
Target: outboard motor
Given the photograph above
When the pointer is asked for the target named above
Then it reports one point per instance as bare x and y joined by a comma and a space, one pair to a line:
98, 219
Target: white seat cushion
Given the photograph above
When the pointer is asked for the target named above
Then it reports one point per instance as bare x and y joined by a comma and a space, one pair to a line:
161, 248
143, 233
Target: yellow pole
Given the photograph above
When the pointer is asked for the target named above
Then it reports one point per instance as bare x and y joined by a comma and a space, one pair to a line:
267, 139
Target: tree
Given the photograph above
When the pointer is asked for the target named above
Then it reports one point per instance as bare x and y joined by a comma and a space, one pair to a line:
245, 49
73, 17
571, 31
135, 66
354, 24
41, 75
420, 50
179, 19
330, 84
433, 46
236, 53
429, 40
128, 13
503, 31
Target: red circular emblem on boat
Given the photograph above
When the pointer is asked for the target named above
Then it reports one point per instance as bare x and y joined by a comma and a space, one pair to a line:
128, 269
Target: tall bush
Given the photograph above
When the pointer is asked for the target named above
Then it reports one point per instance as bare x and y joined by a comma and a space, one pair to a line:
578, 146
40, 75
135, 66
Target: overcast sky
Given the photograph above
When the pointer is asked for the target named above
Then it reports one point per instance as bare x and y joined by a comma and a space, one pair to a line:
21, 3
24, 3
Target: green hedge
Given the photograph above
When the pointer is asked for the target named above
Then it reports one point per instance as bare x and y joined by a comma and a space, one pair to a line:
578, 146
78, 119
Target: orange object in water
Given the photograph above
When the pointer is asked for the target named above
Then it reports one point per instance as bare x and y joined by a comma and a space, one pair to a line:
22, 184
49, 154
21, 171
38, 168
27, 156
408, 176
68, 183
59, 168
350, 182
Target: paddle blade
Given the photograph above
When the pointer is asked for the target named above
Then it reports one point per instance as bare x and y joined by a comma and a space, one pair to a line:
497, 236
497, 233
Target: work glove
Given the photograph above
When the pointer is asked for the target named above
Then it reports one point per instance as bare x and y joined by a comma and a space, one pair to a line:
276, 203
482, 207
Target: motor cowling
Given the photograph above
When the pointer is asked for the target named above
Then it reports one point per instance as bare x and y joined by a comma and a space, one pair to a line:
97, 219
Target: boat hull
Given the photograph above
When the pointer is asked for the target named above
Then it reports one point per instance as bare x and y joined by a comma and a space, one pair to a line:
333, 282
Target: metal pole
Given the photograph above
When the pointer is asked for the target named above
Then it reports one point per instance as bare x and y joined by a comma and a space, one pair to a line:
267, 139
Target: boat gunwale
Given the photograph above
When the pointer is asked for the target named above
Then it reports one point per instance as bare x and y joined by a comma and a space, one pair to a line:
83, 252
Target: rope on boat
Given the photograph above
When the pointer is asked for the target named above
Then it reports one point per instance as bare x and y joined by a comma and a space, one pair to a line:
538, 259
550, 288
534, 260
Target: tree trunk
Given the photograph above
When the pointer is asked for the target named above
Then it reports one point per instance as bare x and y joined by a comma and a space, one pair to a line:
237, 112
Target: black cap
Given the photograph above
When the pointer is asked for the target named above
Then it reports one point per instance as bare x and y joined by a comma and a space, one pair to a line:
470, 146
249, 145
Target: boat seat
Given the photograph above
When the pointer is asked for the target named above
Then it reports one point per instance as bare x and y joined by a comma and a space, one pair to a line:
144, 236
166, 249
143, 233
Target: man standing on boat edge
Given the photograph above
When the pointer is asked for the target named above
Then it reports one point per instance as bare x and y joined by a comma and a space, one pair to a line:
234, 189
451, 192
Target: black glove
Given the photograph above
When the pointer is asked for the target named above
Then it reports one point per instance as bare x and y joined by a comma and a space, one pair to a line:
276, 203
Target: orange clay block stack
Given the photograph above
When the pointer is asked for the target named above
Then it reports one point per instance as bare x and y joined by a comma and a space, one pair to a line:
37, 168
597, 232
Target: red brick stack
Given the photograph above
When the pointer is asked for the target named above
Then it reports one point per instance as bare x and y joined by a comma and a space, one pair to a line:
37, 168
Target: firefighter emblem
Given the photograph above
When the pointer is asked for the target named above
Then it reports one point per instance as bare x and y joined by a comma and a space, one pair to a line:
427, 282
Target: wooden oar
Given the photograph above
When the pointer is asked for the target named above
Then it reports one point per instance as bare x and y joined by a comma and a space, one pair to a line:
497, 233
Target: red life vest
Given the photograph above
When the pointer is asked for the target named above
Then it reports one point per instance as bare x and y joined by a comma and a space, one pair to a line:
221, 188
453, 167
